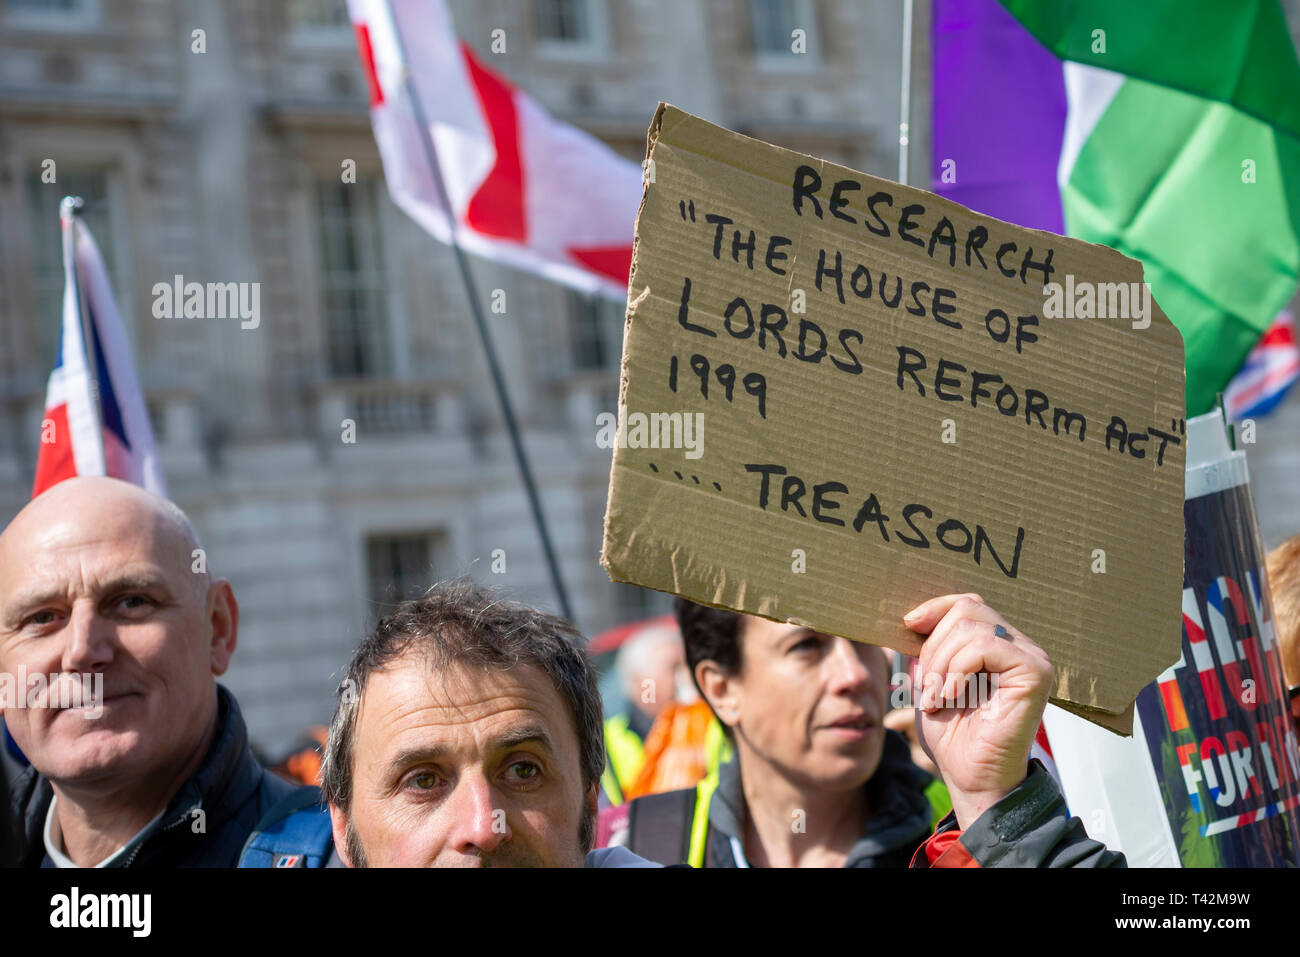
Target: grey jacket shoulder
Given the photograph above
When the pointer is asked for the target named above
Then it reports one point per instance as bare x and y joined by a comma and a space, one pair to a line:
617, 857
1031, 827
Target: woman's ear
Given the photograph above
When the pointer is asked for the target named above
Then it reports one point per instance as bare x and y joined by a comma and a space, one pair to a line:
721, 691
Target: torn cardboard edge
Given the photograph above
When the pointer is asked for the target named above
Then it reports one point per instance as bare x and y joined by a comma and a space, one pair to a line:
1120, 723
639, 293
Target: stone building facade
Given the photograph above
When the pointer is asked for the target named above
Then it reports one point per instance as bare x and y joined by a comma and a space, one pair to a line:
218, 156
222, 161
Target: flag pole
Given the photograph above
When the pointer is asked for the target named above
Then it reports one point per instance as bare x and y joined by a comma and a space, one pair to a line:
905, 93
71, 206
476, 310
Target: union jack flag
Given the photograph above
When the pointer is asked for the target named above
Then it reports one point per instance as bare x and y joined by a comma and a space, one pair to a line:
1269, 371
96, 422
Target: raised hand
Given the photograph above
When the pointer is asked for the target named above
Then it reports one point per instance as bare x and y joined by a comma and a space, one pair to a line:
980, 741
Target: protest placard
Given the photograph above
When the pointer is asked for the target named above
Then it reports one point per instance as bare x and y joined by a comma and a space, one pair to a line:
842, 396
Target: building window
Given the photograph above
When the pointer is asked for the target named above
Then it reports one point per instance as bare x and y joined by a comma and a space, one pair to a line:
566, 27
400, 567
47, 247
319, 24
563, 21
50, 6
597, 332
318, 14
53, 14
774, 24
352, 279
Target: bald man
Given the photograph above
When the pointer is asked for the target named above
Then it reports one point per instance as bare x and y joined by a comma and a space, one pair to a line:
103, 585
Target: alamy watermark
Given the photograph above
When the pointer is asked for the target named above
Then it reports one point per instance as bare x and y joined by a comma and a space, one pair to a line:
652, 430
179, 299
1098, 300
58, 690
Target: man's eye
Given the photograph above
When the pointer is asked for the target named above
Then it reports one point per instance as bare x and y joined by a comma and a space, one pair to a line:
134, 602
46, 617
424, 781
525, 770
811, 643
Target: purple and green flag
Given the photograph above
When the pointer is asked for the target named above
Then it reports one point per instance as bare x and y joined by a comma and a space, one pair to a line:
1168, 129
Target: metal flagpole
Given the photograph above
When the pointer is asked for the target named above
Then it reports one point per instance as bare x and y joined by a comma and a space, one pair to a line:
507, 412
73, 205
905, 96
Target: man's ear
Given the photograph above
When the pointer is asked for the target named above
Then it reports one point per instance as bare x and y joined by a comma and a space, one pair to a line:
339, 825
721, 691
223, 616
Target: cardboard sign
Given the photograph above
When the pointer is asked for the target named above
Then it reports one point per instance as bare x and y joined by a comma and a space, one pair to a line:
841, 396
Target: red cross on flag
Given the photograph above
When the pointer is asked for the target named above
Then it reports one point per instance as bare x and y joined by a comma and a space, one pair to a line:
475, 160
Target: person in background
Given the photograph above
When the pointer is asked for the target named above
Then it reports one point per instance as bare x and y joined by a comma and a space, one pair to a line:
647, 666
301, 764
1283, 565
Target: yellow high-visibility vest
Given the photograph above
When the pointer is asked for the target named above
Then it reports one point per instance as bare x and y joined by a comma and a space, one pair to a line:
936, 792
625, 754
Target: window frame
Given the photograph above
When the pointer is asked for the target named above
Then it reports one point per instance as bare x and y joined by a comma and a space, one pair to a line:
318, 36
382, 355
606, 317
85, 15
804, 11
597, 45
433, 542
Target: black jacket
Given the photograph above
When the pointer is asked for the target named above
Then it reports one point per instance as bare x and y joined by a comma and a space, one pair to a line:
230, 788
1030, 827
658, 826
8, 835
900, 817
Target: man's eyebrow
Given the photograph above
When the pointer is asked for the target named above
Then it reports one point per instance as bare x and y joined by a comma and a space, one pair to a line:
529, 734
48, 594
38, 595
18, 605
136, 581
156, 583
415, 755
